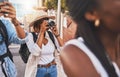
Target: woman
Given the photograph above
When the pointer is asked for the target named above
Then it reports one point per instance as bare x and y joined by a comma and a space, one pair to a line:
69, 32
96, 50
42, 51
7, 13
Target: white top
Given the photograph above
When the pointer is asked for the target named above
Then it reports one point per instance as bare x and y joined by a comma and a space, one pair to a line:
46, 53
96, 63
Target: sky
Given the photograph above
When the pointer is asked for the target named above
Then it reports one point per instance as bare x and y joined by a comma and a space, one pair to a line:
25, 2
26, 6
21, 1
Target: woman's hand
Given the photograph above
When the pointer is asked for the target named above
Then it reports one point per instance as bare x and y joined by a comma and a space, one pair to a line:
43, 26
55, 31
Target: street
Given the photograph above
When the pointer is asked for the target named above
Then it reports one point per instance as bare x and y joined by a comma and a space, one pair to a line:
17, 60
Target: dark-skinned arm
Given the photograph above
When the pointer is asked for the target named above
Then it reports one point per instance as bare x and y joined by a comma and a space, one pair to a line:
76, 63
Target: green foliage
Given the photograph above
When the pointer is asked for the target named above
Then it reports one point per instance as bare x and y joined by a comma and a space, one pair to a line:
53, 4
63, 5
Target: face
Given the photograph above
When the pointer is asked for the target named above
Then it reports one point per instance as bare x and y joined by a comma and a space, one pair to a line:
69, 21
110, 14
37, 24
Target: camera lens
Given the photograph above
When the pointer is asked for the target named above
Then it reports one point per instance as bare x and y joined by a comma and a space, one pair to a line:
51, 23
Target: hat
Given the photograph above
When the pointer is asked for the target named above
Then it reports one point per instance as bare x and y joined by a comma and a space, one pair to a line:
41, 8
41, 17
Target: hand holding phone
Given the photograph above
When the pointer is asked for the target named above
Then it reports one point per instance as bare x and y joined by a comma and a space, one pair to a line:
7, 10
2, 5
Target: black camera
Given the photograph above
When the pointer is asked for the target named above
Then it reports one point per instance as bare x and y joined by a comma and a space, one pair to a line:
51, 23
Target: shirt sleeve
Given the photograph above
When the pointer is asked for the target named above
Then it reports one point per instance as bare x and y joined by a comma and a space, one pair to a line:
32, 46
12, 35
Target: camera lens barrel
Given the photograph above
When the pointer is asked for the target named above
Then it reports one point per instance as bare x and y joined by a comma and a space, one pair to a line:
51, 23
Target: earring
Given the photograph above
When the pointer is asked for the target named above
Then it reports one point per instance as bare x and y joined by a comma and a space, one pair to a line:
97, 22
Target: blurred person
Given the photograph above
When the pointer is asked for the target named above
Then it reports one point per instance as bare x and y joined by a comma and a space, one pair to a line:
7, 11
69, 20
96, 50
41, 62
69, 31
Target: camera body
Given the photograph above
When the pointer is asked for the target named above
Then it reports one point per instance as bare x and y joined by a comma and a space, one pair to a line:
51, 23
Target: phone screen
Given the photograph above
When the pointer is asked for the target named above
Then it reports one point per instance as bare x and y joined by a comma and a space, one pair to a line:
6, 0
3, 0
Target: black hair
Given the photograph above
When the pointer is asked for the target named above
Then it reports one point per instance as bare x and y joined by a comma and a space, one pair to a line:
38, 22
87, 30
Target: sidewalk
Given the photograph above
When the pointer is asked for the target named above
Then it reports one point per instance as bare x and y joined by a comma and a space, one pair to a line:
14, 46
20, 65
15, 49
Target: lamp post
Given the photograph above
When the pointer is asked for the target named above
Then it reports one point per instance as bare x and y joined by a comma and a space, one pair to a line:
59, 16
39, 3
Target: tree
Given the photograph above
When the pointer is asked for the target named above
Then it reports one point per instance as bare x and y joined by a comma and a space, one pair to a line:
63, 5
52, 4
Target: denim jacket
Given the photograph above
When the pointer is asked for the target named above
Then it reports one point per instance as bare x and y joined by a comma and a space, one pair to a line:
12, 38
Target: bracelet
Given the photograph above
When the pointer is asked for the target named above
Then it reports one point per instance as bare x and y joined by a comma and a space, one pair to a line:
15, 22
57, 35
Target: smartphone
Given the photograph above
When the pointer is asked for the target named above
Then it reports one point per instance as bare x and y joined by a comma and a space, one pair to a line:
4, 5
3, 0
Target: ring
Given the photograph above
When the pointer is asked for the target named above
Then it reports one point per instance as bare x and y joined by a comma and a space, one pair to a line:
6, 14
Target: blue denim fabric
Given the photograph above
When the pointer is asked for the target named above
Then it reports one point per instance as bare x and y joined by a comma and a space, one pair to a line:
47, 72
12, 38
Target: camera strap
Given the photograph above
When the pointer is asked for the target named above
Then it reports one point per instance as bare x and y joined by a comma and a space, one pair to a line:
52, 38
